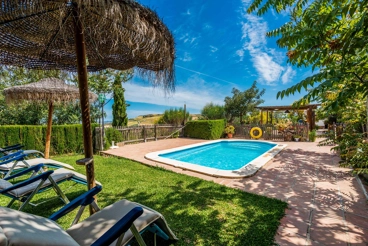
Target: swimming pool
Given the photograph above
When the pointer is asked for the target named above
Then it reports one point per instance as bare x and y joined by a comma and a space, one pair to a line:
231, 158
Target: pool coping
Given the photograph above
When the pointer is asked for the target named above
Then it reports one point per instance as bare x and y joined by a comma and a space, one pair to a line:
246, 171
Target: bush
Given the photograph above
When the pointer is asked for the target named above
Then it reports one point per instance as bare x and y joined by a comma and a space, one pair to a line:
111, 134
312, 136
174, 117
205, 129
64, 138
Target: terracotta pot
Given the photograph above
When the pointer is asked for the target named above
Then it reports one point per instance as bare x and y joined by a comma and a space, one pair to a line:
229, 135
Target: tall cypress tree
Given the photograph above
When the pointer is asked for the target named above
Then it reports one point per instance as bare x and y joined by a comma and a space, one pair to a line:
119, 115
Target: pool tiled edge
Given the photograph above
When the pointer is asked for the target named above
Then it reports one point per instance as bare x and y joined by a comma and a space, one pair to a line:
246, 171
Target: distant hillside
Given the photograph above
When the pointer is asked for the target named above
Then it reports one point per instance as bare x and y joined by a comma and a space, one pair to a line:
151, 119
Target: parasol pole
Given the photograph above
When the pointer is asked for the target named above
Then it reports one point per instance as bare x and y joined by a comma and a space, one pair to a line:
80, 48
48, 131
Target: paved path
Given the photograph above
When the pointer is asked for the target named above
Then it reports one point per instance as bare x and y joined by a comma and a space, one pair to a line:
326, 205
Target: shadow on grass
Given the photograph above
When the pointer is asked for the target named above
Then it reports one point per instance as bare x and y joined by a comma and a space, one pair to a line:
199, 212
204, 213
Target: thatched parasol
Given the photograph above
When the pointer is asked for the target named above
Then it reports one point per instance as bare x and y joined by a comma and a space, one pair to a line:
59, 34
49, 90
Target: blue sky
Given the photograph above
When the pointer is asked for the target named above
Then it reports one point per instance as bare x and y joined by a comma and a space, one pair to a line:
218, 47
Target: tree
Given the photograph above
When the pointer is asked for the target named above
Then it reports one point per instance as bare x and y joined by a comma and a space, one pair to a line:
120, 117
242, 103
174, 116
109, 82
328, 35
212, 111
331, 37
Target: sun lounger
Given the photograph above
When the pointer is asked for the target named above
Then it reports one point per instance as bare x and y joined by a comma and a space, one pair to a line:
25, 190
18, 161
109, 226
4, 151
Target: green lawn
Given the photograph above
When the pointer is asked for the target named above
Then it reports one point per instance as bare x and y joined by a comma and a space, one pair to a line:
199, 212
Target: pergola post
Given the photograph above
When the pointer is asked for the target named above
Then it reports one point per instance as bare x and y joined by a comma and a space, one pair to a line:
309, 118
261, 117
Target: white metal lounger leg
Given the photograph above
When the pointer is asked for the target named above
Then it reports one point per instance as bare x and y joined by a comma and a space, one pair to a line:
34, 192
11, 202
13, 167
137, 236
58, 191
80, 212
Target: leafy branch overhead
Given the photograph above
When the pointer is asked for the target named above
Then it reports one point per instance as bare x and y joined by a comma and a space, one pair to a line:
329, 36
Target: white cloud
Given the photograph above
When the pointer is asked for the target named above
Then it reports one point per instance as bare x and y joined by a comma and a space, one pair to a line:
269, 70
288, 75
206, 26
195, 93
186, 57
213, 48
240, 53
267, 61
246, 2
187, 12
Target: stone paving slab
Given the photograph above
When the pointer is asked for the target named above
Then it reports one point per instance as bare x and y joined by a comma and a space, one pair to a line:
326, 204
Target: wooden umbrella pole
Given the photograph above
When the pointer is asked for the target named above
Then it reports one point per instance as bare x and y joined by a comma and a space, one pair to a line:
80, 49
48, 131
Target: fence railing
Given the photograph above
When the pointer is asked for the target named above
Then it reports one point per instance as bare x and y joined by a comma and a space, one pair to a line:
145, 133
272, 132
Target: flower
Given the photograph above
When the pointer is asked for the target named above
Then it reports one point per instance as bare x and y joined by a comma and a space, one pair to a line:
229, 129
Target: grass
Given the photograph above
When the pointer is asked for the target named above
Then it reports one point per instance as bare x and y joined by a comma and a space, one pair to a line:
199, 212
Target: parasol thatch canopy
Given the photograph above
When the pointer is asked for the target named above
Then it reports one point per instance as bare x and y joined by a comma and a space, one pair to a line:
46, 90
50, 90
86, 35
119, 34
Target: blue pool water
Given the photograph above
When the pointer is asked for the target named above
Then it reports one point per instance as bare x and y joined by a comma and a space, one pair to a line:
226, 155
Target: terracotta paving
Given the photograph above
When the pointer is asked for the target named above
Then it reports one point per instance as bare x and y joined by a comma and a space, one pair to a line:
327, 205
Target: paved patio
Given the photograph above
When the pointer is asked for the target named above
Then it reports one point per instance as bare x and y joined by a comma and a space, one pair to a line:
327, 205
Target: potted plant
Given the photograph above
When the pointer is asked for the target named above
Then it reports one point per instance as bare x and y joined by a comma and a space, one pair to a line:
229, 130
297, 137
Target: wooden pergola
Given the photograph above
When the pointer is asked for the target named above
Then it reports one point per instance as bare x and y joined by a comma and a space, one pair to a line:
311, 119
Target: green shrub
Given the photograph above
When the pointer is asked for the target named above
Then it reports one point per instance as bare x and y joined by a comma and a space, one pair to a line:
174, 116
111, 134
205, 129
64, 138
312, 135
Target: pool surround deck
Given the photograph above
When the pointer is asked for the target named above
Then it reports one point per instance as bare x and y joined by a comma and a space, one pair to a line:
246, 171
326, 204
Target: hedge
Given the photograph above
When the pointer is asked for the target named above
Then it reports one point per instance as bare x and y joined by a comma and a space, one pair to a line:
205, 129
64, 138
